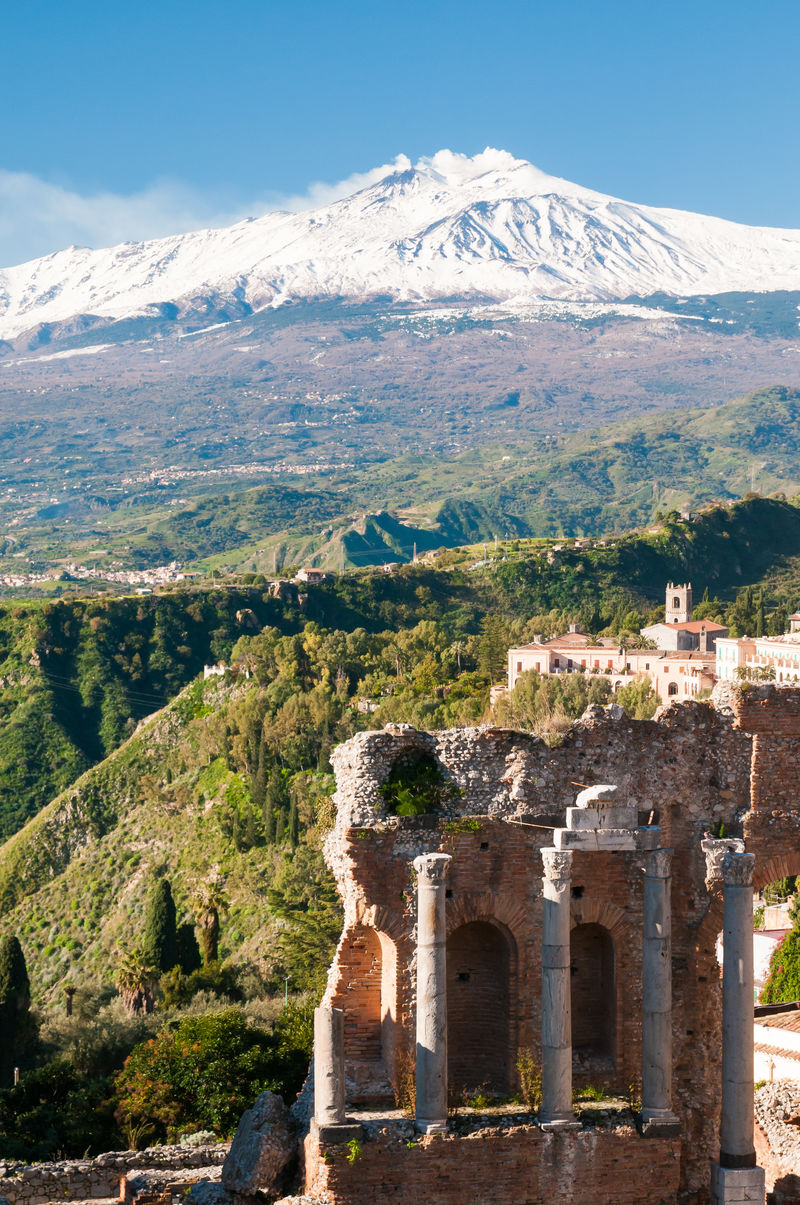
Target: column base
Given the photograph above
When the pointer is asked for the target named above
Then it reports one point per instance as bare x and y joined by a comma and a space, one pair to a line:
658, 1123
569, 1122
342, 1131
430, 1127
731, 1185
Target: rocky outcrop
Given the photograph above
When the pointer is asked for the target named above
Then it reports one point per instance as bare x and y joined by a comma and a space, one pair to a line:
261, 1149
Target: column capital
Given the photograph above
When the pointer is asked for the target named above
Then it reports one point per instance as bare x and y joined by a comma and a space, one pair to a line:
714, 850
737, 870
557, 864
432, 868
658, 863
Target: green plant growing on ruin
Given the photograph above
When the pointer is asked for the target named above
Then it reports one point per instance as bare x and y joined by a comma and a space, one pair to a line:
590, 1092
634, 1095
416, 787
467, 824
404, 1083
354, 1151
530, 1079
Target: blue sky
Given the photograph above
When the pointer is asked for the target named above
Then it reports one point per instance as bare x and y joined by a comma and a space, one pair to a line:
127, 120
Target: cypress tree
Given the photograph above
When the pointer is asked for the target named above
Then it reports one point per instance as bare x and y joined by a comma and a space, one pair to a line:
258, 780
273, 802
269, 822
292, 826
160, 943
280, 825
188, 950
250, 836
16, 1023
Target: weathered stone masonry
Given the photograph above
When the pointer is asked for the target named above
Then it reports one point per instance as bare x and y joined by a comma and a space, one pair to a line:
693, 767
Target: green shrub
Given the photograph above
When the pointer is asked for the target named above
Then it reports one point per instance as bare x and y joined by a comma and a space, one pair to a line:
56, 1112
207, 1071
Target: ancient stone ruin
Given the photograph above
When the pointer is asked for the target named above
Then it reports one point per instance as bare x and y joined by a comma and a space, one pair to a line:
552, 907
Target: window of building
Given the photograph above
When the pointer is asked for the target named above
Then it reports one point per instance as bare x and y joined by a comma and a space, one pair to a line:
519, 667
673, 688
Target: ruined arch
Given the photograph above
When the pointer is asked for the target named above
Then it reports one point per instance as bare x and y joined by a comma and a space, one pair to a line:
780, 867
368, 960
481, 1002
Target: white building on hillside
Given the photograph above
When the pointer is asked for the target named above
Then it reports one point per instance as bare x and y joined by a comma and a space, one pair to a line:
778, 653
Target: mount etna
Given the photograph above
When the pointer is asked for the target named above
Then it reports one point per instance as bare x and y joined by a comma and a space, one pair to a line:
456, 308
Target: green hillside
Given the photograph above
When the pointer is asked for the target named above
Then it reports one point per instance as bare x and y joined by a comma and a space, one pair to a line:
77, 675
619, 476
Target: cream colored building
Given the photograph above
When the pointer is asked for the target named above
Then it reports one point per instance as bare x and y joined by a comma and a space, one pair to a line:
673, 675
778, 653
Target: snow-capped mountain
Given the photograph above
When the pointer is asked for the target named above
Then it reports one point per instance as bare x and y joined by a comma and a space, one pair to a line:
449, 226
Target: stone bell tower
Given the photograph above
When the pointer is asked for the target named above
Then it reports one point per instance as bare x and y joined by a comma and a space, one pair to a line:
679, 603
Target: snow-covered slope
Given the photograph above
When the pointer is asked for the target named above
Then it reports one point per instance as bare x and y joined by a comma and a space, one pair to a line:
490, 226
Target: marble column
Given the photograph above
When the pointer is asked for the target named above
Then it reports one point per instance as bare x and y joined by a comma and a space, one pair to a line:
657, 1115
329, 1066
329, 1077
556, 1111
736, 1172
431, 1103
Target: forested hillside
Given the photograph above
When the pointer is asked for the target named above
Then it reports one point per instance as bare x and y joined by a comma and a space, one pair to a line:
77, 675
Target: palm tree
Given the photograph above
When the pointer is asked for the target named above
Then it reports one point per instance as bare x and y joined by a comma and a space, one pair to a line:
210, 899
458, 647
136, 979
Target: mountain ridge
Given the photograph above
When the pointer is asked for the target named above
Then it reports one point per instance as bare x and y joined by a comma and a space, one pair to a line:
449, 226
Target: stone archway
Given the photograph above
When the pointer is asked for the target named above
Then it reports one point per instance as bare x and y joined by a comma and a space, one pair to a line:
480, 966
368, 957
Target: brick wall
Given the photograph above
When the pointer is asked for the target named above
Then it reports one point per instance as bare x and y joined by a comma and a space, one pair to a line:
522, 1165
480, 986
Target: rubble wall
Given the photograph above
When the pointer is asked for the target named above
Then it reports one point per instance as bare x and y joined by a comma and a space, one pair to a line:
84, 1179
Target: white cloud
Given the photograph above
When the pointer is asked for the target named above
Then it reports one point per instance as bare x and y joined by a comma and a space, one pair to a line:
37, 218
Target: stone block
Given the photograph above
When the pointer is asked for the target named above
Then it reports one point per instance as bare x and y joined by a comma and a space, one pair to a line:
341, 1132
602, 793
262, 1147
613, 816
598, 838
735, 1185
647, 838
582, 818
